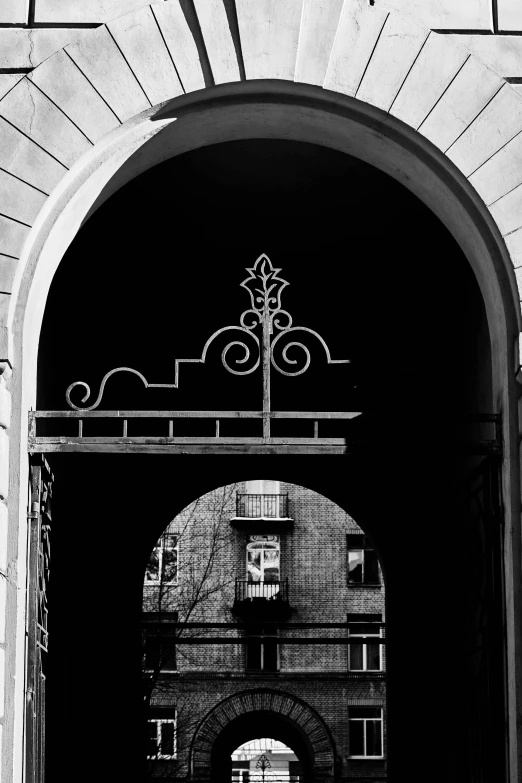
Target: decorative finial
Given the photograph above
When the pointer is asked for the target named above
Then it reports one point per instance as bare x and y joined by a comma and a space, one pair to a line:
264, 286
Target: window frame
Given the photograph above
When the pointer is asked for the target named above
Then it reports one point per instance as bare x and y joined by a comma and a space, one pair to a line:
160, 626
159, 722
160, 548
240, 775
363, 720
274, 542
166, 640
261, 632
358, 542
261, 487
260, 491
357, 633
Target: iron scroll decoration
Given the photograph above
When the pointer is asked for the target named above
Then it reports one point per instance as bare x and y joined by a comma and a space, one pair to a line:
265, 288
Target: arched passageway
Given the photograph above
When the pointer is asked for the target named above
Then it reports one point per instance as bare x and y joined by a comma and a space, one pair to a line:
422, 363
291, 111
253, 713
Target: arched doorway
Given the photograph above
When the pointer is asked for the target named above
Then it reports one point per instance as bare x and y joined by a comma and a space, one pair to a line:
244, 716
407, 482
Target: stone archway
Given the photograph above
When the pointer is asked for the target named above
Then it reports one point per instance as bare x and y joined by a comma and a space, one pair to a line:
440, 121
274, 110
236, 713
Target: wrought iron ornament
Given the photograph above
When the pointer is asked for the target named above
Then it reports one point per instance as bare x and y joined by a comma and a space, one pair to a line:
265, 288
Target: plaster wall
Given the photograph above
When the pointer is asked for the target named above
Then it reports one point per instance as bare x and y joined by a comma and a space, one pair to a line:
76, 78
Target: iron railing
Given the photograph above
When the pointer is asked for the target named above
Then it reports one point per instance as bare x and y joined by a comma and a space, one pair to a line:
271, 506
269, 591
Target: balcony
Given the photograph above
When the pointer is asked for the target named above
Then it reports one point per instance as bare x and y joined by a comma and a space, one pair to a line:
262, 513
262, 600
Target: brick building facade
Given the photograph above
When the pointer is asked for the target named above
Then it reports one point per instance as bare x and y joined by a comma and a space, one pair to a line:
316, 567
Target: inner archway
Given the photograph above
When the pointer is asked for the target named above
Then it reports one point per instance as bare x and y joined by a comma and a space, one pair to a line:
290, 719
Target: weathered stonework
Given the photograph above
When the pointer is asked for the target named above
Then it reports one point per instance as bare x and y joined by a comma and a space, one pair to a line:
25, 48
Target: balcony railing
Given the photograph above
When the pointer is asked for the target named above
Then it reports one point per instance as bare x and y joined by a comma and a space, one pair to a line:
261, 592
266, 506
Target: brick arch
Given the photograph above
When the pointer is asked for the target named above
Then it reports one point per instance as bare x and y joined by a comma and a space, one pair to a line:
274, 704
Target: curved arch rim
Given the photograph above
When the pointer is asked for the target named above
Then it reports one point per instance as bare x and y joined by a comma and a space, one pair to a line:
261, 691
272, 93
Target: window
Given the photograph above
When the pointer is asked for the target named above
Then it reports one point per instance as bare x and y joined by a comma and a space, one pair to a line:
366, 655
162, 567
159, 649
365, 732
263, 574
263, 499
161, 738
240, 775
159, 641
362, 563
262, 654
262, 487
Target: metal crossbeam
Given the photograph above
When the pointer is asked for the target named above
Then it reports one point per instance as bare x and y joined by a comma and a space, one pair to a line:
172, 443
266, 624
193, 446
102, 414
272, 627
279, 639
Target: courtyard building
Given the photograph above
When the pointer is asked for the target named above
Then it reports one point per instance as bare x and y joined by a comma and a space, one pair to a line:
278, 563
